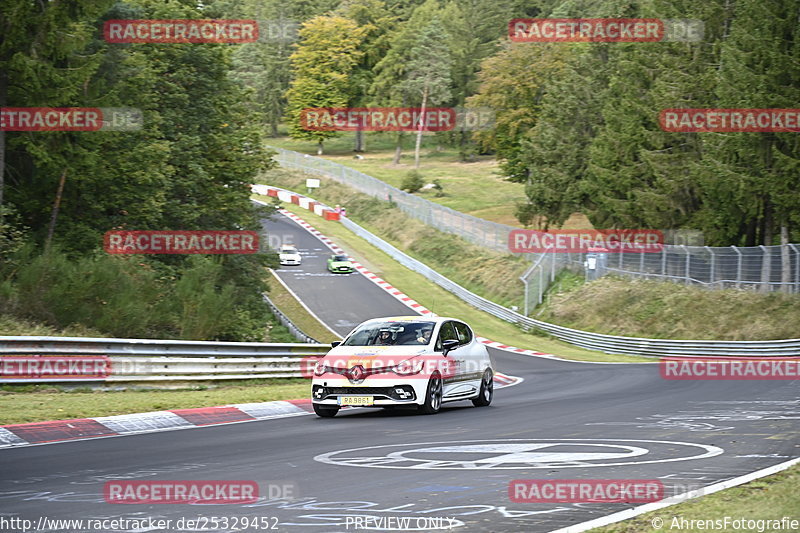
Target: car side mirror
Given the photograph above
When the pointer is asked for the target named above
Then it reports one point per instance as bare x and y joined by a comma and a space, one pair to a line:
449, 345
334, 344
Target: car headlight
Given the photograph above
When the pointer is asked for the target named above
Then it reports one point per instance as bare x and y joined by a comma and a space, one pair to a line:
409, 367
320, 368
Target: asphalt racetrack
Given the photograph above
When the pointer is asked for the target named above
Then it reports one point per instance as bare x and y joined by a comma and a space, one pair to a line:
566, 420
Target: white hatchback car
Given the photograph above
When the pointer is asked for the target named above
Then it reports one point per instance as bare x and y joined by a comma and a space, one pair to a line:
288, 255
412, 361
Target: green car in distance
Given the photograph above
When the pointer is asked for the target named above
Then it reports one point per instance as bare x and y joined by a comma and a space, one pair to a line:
340, 264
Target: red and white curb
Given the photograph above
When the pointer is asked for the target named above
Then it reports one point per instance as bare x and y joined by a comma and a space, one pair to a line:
39, 433
318, 208
35, 433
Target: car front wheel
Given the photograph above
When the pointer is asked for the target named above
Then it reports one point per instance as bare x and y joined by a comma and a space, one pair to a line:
487, 390
325, 412
433, 396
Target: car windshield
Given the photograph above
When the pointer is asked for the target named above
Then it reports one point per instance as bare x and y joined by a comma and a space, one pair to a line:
288, 250
340, 258
388, 333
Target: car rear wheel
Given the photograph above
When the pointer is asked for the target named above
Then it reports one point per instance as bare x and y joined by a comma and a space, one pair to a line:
487, 390
433, 396
325, 412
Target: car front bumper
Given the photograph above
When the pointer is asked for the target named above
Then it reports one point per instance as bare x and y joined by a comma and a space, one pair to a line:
384, 390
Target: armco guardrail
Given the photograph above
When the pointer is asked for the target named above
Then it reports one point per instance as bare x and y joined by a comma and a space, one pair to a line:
146, 360
585, 339
296, 332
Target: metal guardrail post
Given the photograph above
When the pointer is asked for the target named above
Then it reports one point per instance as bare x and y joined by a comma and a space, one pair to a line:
525, 306
766, 266
712, 273
688, 264
738, 267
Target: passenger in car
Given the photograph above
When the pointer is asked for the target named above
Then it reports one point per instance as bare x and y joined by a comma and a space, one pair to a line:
424, 336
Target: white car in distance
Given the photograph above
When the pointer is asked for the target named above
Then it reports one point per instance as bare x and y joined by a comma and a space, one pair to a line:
288, 255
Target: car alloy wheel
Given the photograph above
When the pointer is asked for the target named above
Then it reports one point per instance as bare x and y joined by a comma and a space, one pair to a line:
487, 390
433, 397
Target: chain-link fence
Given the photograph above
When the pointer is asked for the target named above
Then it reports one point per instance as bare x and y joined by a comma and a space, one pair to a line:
473, 229
763, 268
767, 268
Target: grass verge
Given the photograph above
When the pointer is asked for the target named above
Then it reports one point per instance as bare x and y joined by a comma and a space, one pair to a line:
12, 326
445, 303
769, 498
299, 315
37, 403
464, 183
641, 308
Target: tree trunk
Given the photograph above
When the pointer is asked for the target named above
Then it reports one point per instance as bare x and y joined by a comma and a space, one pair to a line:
3, 86
421, 126
56, 206
359, 144
786, 260
398, 150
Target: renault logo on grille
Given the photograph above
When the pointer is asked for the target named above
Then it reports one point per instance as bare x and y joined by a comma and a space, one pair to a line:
357, 373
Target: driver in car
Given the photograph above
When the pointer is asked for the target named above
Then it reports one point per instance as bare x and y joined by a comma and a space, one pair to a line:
384, 337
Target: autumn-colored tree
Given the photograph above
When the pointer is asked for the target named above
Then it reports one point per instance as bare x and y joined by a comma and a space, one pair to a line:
322, 66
